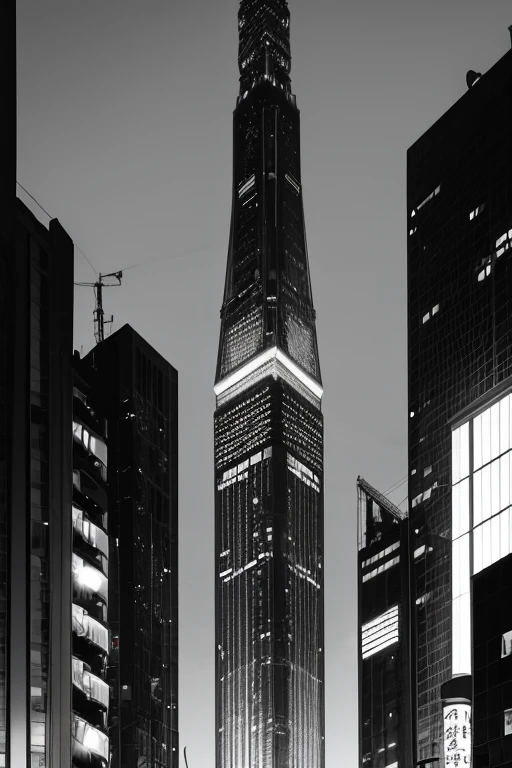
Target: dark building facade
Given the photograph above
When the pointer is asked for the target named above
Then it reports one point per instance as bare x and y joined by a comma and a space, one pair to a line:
459, 198
384, 631
492, 657
137, 393
268, 431
36, 306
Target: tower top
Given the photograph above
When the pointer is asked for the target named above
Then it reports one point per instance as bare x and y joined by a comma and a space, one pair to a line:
264, 44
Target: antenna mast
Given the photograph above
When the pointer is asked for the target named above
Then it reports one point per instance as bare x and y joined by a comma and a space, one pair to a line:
100, 319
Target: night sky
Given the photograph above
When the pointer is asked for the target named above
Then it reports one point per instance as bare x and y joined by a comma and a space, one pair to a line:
125, 135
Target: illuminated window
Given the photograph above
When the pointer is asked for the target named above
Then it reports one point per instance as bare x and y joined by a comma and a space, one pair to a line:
430, 313
476, 212
481, 512
379, 633
506, 644
507, 722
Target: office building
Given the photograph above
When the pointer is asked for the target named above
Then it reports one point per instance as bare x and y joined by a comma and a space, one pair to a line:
459, 199
385, 724
268, 432
136, 391
36, 495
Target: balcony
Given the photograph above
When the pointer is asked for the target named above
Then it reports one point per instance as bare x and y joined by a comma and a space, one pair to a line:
84, 625
92, 686
90, 745
90, 540
88, 581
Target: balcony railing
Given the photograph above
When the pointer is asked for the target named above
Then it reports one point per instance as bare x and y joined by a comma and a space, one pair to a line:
90, 738
84, 625
89, 532
94, 687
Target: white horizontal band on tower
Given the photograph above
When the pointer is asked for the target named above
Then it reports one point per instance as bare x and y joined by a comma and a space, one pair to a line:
269, 354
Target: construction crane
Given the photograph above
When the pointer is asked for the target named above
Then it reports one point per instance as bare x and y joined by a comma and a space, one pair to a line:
100, 319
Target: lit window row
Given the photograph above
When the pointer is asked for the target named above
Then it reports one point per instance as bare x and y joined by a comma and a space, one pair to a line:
485, 272
292, 182
379, 633
430, 313
382, 554
426, 200
476, 212
246, 185
423, 496
381, 568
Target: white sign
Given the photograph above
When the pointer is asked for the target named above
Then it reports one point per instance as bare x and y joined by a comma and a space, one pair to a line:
457, 735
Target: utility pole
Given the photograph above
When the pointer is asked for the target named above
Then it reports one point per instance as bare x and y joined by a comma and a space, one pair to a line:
100, 320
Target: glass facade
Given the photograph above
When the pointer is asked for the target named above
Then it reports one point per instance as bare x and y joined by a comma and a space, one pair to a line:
459, 330
137, 390
268, 432
384, 631
492, 660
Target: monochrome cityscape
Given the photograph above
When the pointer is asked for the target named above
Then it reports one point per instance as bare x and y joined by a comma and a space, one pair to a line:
94, 604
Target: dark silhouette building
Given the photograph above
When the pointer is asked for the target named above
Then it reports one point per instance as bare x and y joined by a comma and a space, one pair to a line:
459, 199
137, 393
36, 321
268, 432
492, 656
384, 631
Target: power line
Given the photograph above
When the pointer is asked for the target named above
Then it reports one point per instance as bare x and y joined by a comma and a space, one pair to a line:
397, 485
33, 198
85, 257
170, 256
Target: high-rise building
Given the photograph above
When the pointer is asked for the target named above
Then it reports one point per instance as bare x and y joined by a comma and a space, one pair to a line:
137, 393
268, 432
35, 495
384, 631
90, 578
459, 198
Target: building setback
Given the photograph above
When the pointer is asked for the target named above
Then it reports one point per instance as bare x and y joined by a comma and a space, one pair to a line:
459, 205
268, 432
35, 495
137, 391
384, 631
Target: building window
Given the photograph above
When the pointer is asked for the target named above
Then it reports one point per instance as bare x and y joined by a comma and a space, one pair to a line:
380, 633
506, 644
481, 519
507, 717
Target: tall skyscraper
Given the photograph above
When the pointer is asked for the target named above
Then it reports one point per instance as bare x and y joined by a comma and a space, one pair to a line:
459, 198
137, 392
384, 631
268, 432
35, 495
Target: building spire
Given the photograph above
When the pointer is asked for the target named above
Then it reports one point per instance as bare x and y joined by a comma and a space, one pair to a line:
264, 44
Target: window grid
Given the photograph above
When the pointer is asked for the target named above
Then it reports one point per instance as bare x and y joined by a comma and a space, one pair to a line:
481, 511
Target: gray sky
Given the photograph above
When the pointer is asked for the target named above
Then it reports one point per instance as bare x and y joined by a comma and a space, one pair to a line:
125, 131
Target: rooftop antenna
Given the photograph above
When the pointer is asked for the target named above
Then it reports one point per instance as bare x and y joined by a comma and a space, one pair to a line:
185, 755
100, 319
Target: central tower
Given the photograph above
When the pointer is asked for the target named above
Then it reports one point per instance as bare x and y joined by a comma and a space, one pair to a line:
268, 432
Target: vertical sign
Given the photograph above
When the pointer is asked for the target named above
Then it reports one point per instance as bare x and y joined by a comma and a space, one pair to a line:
457, 735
